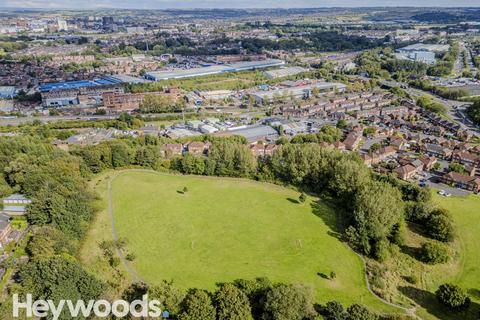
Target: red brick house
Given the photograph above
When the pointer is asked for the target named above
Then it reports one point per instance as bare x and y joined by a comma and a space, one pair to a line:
428, 162
405, 172
171, 149
198, 148
462, 181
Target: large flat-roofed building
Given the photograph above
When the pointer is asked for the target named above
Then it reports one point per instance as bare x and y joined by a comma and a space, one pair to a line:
299, 92
214, 69
252, 133
437, 48
7, 92
127, 102
417, 56
85, 92
75, 85
284, 72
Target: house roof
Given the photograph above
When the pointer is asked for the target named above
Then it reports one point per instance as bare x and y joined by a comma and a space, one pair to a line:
462, 178
16, 197
406, 169
14, 208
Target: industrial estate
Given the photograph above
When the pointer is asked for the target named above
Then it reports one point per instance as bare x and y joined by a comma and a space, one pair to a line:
236, 164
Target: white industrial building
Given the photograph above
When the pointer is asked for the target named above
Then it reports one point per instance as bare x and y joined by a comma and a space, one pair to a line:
284, 72
299, 92
214, 69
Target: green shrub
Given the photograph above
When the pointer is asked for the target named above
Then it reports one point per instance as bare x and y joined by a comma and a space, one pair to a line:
453, 297
433, 252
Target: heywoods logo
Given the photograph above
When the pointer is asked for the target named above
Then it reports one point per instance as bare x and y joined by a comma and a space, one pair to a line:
99, 308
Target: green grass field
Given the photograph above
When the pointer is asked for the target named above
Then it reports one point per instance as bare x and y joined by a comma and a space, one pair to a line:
464, 267
466, 213
223, 229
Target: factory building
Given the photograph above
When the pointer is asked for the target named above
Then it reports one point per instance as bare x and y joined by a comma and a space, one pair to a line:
85, 92
284, 72
299, 92
7, 92
213, 69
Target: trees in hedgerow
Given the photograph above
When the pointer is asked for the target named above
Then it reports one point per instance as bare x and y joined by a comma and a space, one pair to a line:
334, 310
453, 297
378, 207
288, 302
360, 312
232, 303
227, 158
169, 295
197, 305
59, 278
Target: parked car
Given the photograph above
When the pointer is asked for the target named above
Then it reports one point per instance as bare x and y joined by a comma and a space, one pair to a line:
441, 192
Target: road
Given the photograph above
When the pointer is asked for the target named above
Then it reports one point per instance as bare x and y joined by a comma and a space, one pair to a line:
455, 109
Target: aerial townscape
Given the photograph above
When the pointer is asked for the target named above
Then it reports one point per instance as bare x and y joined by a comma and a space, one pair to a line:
240, 161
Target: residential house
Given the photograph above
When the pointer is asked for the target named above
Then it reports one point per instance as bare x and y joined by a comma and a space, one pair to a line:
428, 162
198, 148
5, 229
16, 205
466, 158
257, 149
339, 145
405, 172
399, 144
352, 141
171, 149
462, 181
270, 149
436, 151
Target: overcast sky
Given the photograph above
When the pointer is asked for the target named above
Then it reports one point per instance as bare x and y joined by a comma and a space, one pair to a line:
163, 4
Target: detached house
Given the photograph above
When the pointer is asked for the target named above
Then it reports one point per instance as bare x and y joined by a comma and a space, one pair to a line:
171, 149
428, 162
405, 172
352, 141
198, 148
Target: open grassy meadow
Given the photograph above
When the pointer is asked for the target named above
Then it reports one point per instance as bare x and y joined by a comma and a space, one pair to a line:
466, 213
462, 269
223, 229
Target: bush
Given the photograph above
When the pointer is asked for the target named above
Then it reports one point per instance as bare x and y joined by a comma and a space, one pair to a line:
439, 226
412, 279
380, 250
360, 312
453, 297
433, 252
302, 198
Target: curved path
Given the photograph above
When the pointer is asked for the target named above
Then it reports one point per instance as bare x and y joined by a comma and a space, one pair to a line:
127, 265
131, 270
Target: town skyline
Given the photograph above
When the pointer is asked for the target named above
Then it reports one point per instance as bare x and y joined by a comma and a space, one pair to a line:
221, 4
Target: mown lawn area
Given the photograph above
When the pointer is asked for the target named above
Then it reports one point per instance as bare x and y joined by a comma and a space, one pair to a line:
224, 229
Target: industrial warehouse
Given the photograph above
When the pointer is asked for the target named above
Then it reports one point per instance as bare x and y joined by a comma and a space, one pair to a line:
214, 69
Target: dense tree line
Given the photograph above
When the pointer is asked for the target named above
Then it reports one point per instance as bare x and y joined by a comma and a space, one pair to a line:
60, 213
473, 112
447, 93
258, 299
316, 41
